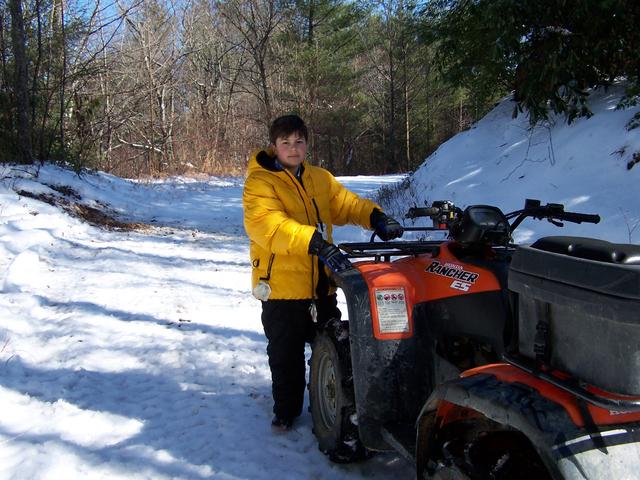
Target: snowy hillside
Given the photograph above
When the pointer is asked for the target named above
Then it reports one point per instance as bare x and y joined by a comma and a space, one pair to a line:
501, 161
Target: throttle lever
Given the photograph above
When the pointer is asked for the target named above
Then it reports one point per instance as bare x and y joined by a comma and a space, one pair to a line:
555, 222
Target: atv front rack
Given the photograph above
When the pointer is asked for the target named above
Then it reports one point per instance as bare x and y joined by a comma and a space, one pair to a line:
573, 387
385, 250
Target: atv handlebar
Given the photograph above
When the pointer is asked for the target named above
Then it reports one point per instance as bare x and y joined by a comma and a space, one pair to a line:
446, 216
441, 212
477, 225
553, 212
579, 217
416, 212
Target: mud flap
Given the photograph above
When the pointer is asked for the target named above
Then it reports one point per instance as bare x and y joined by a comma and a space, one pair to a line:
373, 380
382, 370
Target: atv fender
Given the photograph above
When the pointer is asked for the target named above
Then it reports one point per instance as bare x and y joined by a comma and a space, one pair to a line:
375, 364
567, 442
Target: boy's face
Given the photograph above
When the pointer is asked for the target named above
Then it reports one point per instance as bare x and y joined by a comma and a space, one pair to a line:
291, 151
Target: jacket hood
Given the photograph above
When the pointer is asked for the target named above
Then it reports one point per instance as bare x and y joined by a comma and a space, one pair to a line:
262, 158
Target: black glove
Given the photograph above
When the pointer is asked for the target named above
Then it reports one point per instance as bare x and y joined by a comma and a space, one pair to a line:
385, 227
329, 254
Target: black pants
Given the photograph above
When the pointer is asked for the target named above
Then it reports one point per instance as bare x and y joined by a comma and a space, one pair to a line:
288, 326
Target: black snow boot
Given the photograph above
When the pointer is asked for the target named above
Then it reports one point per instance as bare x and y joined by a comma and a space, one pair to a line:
282, 424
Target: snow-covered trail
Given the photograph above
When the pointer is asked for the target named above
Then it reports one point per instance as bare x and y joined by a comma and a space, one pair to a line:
141, 354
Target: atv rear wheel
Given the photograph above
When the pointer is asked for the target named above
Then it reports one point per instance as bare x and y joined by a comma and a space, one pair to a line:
486, 449
331, 395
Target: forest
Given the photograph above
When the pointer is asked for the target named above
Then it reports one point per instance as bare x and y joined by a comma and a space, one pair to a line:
144, 88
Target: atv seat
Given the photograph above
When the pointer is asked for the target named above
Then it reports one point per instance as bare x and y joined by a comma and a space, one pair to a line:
591, 249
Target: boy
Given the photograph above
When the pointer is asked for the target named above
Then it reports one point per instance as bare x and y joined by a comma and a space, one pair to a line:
290, 208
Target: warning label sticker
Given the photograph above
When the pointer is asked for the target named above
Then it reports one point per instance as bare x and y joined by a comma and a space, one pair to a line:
392, 310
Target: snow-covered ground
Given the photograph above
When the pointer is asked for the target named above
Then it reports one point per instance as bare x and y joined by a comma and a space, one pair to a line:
140, 354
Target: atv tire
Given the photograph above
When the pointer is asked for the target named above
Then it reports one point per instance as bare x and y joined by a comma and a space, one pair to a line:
486, 449
331, 395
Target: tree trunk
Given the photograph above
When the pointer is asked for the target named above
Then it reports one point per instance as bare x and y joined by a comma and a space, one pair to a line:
407, 123
63, 81
392, 165
36, 70
21, 82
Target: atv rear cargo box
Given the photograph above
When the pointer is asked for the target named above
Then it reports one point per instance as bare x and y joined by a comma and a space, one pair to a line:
577, 304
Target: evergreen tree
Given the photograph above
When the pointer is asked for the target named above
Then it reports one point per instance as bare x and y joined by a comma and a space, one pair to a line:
319, 46
550, 53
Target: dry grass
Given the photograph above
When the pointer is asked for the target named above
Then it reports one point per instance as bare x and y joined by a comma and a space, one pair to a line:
69, 201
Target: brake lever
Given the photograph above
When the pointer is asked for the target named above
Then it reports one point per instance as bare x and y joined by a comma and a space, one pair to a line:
556, 223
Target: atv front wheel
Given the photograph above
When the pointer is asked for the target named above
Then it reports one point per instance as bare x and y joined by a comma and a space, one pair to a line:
331, 395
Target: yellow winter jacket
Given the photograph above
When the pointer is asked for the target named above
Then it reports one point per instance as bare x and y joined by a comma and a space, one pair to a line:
280, 216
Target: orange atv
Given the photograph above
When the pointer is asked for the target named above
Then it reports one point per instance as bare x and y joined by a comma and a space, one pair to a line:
475, 358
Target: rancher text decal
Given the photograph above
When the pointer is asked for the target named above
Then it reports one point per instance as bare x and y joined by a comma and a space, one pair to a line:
463, 279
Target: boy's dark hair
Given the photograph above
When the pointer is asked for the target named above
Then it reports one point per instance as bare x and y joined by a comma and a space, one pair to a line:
285, 126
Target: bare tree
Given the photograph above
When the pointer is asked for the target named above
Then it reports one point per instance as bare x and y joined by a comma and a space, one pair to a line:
145, 87
255, 21
212, 75
145, 67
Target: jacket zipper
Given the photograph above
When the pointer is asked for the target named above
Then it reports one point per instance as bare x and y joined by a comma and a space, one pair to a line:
313, 200
268, 276
306, 211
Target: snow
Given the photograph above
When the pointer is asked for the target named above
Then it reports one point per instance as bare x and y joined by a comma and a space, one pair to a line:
140, 354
